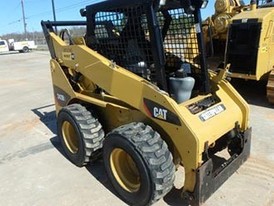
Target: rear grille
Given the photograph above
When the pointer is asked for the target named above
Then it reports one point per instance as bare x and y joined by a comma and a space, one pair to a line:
242, 49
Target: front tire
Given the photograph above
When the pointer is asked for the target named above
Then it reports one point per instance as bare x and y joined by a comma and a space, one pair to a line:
80, 133
138, 163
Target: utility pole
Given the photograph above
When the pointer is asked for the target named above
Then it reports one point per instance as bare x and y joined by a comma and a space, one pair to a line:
54, 14
24, 19
53, 10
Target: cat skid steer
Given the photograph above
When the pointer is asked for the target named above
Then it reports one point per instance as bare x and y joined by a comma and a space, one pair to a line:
135, 91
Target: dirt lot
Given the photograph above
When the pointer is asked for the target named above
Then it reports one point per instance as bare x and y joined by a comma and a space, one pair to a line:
34, 171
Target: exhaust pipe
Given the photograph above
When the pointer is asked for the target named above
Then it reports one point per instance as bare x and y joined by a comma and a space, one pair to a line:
253, 4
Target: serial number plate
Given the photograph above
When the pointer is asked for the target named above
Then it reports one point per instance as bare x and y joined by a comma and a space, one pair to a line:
212, 112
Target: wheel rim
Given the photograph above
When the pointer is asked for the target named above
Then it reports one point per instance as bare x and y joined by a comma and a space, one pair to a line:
70, 137
125, 170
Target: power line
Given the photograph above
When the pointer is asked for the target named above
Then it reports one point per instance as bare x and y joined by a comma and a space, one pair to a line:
12, 11
14, 22
59, 10
8, 9
62, 9
15, 8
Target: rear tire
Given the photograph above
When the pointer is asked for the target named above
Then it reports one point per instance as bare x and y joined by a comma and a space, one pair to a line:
25, 49
80, 133
138, 163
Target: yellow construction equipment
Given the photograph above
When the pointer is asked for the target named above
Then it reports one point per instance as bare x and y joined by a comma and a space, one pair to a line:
243, 36
135, 89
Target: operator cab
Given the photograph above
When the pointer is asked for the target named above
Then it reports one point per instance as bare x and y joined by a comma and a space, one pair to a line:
157, 41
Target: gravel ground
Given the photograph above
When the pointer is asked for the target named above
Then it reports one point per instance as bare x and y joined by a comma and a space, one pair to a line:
34, 171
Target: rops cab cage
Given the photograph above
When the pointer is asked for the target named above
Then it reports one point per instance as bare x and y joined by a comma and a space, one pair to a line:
153, 47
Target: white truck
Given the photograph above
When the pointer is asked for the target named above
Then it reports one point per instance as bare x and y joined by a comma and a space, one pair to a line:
21, 46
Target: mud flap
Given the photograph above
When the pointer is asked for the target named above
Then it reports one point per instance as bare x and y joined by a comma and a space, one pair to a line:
208, 181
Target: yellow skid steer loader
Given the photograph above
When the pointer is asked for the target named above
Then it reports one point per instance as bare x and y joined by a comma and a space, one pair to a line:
135, 90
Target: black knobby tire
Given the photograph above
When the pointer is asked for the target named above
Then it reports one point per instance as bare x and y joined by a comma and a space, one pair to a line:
80, 133
25, 49
151, 157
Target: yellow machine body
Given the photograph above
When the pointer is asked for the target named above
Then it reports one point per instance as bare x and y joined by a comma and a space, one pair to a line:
214, 118
124, 102
217, 25
265, 50
242, 36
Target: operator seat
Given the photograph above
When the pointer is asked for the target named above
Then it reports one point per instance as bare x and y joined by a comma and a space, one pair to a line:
135, 45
